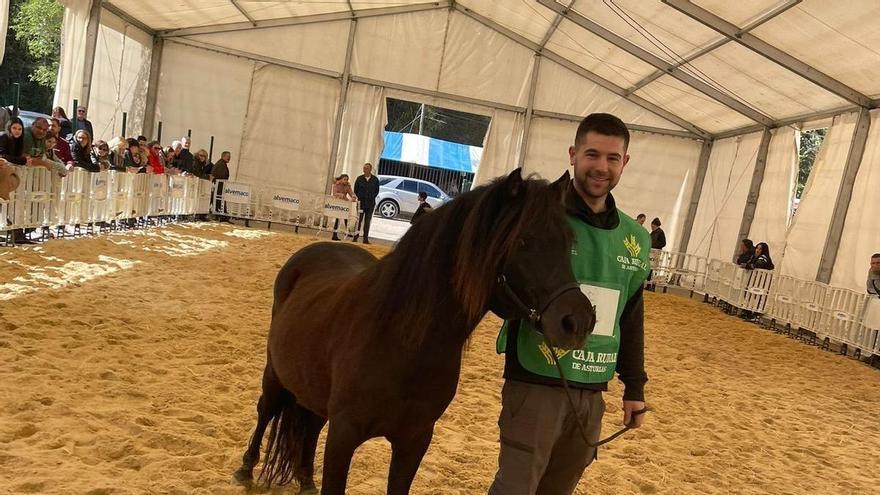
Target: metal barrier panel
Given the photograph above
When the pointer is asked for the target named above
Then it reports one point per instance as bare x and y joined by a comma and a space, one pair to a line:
140, 195
783, 302
843, 311
690, 272
119, 207
203, 203
713, 278
32, 204
757, 290
810, 310
158, 195
99, 199
662, 264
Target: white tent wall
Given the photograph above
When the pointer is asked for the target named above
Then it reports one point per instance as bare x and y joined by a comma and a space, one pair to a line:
723, 198
288, 130
206, 92
641, 189
773, 211
68, 86
362, 136
120, 78
319, 45
659, 180
502, 146
562, 91
4, 24
404, 49
809, 228
861, 231
480, 63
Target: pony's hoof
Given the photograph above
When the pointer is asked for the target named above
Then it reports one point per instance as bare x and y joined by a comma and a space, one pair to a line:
308, 489
244, 476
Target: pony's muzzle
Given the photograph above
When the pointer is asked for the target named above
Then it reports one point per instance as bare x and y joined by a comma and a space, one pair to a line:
569, 320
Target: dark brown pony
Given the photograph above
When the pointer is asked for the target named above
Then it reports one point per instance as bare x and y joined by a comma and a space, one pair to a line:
375, 345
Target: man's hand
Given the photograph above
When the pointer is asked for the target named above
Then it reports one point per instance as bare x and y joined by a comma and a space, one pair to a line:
629, 419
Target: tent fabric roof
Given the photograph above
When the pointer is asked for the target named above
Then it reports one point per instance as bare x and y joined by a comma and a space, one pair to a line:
788, 59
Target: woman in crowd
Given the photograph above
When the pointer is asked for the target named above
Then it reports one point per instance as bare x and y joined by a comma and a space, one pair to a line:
172, 156
66, 126
761, 260
201, 165
101, 155
117, 156
81, 150
155, 158
342, 190
12, 142
52, 161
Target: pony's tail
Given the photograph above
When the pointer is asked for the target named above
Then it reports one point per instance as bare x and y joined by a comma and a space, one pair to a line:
285, 445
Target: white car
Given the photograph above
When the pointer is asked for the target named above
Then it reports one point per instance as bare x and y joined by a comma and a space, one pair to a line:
400, 195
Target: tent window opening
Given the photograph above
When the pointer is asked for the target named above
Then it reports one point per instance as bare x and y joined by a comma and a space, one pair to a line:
434, 144
808, 143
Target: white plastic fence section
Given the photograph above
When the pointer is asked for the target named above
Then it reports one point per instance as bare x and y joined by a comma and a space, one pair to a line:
757, 290
783, 303
31, 205
811, 307
843, 311
159, 195
99, 200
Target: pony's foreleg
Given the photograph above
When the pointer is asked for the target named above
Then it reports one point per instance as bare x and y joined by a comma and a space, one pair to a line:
407, 451
270, 405
343, 438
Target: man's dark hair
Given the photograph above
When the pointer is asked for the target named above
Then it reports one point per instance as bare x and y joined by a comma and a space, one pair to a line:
655, 221
423, 195
142, 138
641, 215
605, 124
875, 255
132, 142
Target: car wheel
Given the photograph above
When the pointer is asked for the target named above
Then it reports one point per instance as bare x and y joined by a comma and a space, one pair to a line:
388, 209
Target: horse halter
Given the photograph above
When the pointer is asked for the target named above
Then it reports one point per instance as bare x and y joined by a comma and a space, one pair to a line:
534, 314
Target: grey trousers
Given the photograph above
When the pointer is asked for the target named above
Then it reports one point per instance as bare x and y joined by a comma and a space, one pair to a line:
542, 450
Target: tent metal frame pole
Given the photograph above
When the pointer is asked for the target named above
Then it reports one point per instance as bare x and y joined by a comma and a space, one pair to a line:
153, 86
125, 16
657, 62
844, 195
340, 108
702, 169
586, 74
243, 12
527, 122
769, 52
763, 19
797, 119
308, 19
90, 50
755, 188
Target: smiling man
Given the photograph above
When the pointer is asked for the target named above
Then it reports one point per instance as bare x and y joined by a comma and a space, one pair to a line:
542, 449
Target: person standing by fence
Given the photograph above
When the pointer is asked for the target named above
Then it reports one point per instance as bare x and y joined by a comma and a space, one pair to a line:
366, 188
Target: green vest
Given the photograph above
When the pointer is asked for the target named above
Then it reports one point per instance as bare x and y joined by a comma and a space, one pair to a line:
610, 266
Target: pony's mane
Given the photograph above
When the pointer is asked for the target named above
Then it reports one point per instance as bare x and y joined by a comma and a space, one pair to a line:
450, 257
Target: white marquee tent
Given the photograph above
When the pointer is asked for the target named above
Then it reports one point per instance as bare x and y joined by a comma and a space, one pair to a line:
712, 90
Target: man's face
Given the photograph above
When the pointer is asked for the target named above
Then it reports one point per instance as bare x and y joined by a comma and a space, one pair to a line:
40, 129
640, 220
598, 162
54, 128
368, 169
81, 113
226, 157
875, 265
143, 143
185, 143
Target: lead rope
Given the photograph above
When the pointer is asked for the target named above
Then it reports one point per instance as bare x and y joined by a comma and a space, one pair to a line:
577, 418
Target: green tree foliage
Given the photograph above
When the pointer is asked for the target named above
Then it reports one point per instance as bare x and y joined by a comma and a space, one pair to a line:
439, 123
809, 148
33, 46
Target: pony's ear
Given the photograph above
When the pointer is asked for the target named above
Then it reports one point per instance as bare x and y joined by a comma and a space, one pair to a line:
514, 183
560, 185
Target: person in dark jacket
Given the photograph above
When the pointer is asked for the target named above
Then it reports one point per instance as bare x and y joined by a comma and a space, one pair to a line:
424, 206
746, 252
185, 157
761, 259
366, 188
12, 142
81, 150
81, 122
220, 171
658, 237
134, 161
65, 129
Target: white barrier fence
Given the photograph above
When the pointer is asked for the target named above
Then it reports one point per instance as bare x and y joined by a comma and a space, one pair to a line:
81, 198
265, 203
847, 317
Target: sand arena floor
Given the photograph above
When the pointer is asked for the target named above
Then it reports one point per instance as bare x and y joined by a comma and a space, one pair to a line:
130, 364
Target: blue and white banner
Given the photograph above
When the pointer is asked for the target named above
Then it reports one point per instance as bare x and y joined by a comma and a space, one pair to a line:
423, 150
